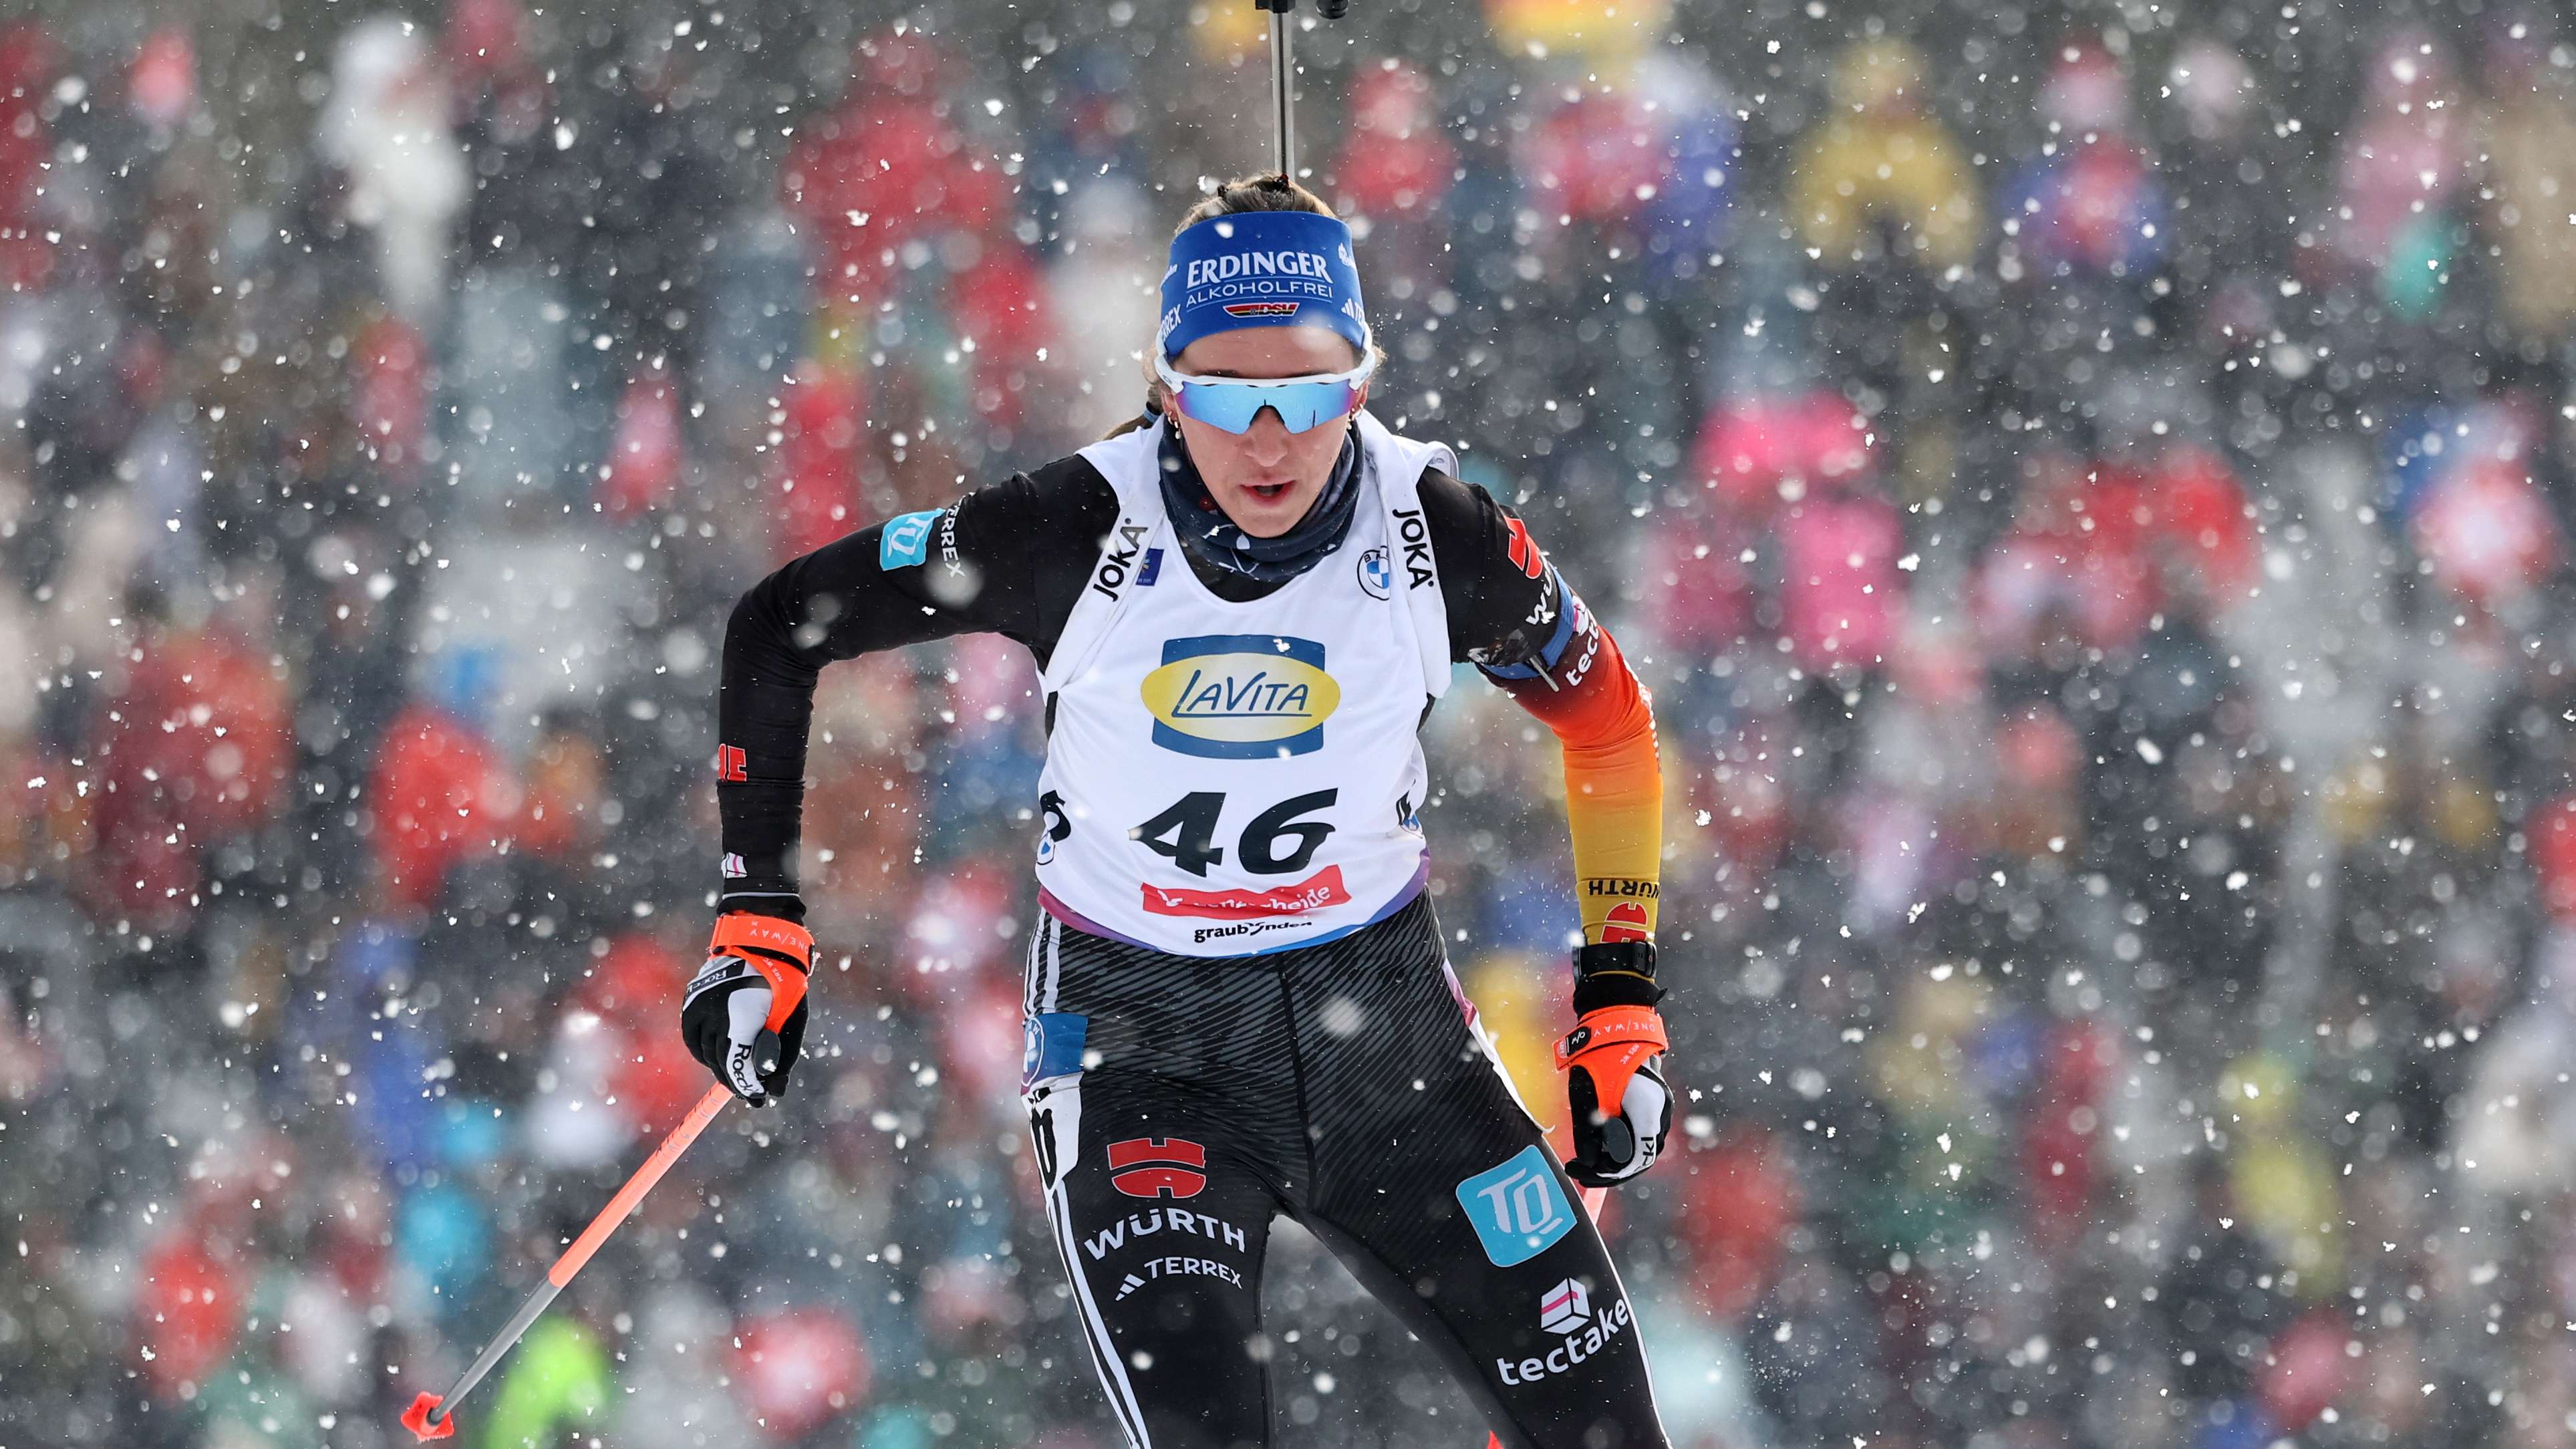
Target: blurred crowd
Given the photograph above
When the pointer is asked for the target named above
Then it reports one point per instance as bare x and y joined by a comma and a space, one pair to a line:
2091, 504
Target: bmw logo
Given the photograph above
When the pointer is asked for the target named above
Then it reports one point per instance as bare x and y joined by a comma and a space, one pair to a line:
1377, 576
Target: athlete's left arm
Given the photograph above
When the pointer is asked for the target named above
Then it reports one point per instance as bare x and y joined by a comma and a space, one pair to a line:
1514, 618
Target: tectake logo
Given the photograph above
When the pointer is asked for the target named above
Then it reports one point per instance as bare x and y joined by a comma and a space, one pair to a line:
1241, 696
1377, 576
1567, 1309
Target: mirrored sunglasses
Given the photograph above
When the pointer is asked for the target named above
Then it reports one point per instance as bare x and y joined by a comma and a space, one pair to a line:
1232, 403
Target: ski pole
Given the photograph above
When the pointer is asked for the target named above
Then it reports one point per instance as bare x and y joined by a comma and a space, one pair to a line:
1592, 1197
1282, 107
1282, 72
433, 1416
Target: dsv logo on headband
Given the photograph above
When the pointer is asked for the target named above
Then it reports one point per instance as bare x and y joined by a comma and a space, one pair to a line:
1241, 696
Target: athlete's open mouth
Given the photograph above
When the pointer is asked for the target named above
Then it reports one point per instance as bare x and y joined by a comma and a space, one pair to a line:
1268, 492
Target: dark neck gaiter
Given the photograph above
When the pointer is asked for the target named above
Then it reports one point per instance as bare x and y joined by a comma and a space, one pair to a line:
1212, 539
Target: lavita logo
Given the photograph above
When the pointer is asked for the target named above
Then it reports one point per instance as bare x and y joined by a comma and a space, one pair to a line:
1241, 696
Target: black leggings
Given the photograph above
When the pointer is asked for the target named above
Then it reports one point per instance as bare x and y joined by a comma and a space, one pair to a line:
1342, 1085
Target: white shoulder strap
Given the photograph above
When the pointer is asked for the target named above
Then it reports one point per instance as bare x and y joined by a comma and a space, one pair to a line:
1132, 462
1398, 464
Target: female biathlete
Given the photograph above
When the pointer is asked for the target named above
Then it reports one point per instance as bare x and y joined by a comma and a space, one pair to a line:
1242, 608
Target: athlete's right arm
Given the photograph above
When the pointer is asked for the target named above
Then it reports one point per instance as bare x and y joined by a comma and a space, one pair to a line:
1007, 559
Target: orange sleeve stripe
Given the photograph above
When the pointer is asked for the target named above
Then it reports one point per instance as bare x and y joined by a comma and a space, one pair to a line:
1614, 791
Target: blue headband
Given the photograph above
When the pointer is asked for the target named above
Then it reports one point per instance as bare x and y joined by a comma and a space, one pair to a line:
1261, 269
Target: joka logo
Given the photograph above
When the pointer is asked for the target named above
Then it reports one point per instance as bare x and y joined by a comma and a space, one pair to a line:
906, 539
1241, 696
1567, 1309
1159, 1167
1518, 1209
1626, 922
1525, 554
1416, 538
1118, 555
1377, 576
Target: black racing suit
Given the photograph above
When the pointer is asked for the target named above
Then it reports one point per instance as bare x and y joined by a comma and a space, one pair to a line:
1342, 1084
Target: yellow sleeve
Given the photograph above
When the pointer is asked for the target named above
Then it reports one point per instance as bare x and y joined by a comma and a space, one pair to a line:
1614, 784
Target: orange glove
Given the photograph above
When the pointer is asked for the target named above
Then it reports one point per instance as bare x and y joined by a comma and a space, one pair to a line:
1614, 1082
744, 1016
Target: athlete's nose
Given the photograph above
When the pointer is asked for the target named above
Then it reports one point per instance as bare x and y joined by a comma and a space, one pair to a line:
1267, 440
